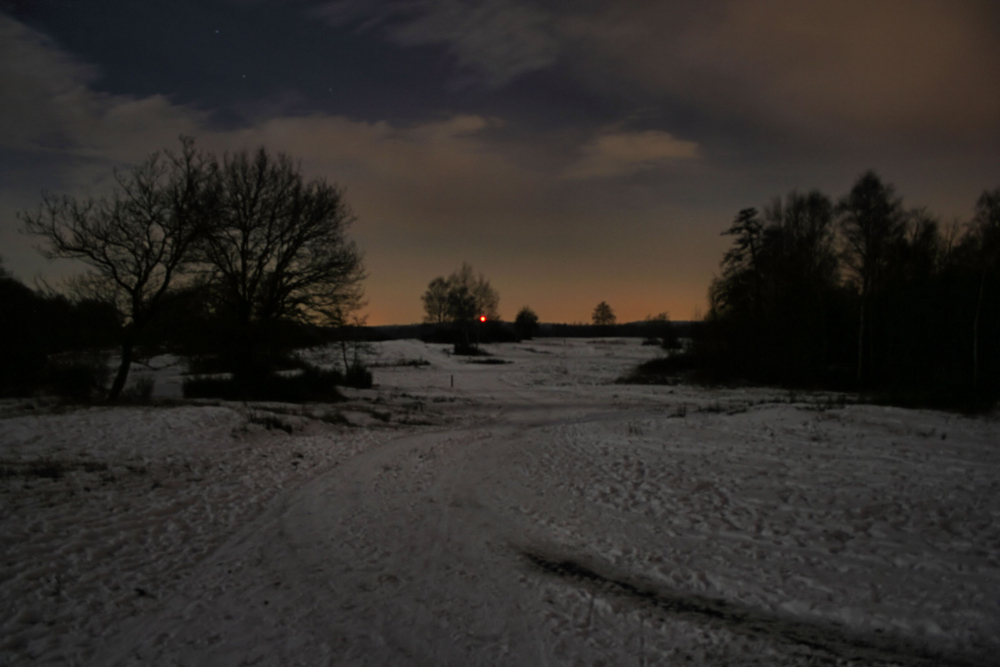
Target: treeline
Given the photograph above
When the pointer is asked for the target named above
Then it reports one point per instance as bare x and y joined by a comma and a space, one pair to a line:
462, 309
37, 326
861, 293
231, 260
667, 330
54, 343
504, 332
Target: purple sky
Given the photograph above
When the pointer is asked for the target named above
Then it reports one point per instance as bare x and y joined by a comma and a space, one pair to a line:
573, 152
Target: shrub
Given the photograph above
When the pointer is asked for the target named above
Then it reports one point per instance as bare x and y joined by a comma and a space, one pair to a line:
526, 323
269, 421
313, 384
662, 370
141, 390
358, 376
81, 378
466, 350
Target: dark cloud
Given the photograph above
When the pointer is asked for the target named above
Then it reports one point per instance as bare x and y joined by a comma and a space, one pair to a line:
891, 70
851, 70
50, 105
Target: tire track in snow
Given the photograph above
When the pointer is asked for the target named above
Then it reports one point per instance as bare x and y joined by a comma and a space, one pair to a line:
829, 640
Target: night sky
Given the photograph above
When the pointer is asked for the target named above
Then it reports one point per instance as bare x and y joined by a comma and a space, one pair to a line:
573, 152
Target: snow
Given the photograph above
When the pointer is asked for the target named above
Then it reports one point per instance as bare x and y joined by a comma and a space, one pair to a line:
533, 513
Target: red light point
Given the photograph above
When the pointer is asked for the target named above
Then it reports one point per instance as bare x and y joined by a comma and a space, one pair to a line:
482, 318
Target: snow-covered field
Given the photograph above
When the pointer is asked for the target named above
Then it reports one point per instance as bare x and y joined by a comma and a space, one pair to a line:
534, 513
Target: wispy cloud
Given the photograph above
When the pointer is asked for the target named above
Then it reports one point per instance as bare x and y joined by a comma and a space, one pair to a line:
617, 153
496, 40
845, 71
50, 105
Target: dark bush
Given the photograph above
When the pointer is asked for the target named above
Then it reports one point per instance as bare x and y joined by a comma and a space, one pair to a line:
35, 325
81, 379
208, 387
466, 350
140, 391
313, 384
948, 398
358, 377
526, 323
46, 468
664, 370
471, 334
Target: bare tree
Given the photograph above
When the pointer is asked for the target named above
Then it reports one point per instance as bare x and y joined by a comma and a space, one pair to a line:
137, 241
872, 219
603, 315
483, 298
461, 297
986, 232
436, 301
279, 250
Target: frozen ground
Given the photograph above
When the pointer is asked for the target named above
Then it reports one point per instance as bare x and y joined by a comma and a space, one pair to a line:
533, 514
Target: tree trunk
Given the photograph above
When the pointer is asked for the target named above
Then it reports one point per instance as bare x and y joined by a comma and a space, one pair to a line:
246, 363
123, 368
861, 343
975, 332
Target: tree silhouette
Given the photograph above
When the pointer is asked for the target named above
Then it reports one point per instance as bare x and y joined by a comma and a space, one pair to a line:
279, 252
778, 284
603, 315
872, 220
742, 259
526, 323
660, 331
461, 299
986, 235
436, 301
138, 241
890, 313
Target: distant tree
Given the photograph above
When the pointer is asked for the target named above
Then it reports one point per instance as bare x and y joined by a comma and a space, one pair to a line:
890, 310
871, 219
985, 233
801, 285
24, 340
659, 331
526, 323
138, 241
436, 301
460, 300
481, 297
279, 252
741, 260
461, 297
603, 315
774, 302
